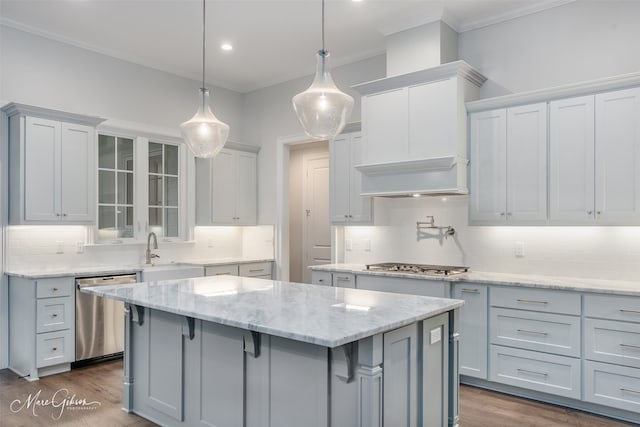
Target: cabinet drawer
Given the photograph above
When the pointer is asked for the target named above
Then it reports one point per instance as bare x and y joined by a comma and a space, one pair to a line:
612, 342
218, 270
549, 301
611, 385
425, 287
344, 280
551, 333
54, 287
54, 314
256, 269
473, 329
53, 348
614, 307
547, 373
322, 278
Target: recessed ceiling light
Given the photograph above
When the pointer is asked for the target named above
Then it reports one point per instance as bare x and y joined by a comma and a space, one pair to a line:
226, 46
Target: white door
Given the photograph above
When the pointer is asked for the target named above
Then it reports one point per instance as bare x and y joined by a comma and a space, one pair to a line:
488, 140
42, 170
359, 206
317, 227
340, 177
78, 173
223, 187
246, 206
618, 157
527, 163
571, 160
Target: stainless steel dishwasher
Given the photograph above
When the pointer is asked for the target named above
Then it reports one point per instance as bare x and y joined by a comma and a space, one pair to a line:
99, 321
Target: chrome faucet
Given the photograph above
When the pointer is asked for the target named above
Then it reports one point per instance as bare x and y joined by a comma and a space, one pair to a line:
155, 246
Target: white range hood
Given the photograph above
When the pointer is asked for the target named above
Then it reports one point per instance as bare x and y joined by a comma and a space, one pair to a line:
414, 122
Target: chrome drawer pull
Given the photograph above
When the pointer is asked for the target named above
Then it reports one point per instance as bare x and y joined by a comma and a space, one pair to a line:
343, 278
532, 301
255, 271
222, 274
54, 348
622, 310
470, 290
628, 390
524, 331
54, 289
526, 371
54, 315
635, 347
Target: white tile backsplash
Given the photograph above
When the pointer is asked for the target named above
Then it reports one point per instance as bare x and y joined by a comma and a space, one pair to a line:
29, 246
598, 252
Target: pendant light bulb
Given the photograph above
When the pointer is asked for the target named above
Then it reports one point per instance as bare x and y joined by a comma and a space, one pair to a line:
323, 109
204, 134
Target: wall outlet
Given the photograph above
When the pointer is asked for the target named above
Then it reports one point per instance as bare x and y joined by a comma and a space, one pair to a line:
79, 247
348, 245
519, 249
59, 249
210, 242
367, 245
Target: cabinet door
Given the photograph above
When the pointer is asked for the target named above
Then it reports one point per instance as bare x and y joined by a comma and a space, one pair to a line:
571, 157
432, 131
473, 329
487, 201
246, 193
527, 163
42, 170
78, 173
223, 187
618, 157
339, 170
385, 118
359, 206
400, 377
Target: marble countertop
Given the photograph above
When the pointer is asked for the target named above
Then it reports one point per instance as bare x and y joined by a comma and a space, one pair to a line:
319, 315
99, 270
565, 283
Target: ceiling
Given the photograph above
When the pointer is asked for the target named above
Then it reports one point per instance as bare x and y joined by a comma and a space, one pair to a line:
273, 40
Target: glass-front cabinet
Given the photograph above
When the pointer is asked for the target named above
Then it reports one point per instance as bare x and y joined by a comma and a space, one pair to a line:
139, 188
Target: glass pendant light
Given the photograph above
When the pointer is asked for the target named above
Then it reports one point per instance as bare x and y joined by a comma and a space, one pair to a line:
323, 109
204, 133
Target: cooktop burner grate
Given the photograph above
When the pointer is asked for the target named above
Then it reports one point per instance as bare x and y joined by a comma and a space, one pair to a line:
436, 270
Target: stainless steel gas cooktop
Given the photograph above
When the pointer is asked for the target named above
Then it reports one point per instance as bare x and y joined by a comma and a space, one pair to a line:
428, 270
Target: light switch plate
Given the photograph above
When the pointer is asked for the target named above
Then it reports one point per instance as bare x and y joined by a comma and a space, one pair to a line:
519, 249
79, 247
348, 245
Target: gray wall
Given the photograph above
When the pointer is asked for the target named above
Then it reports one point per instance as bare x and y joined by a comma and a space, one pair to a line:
50, 74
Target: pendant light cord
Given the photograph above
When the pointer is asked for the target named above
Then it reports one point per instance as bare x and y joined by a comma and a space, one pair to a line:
323, 26
203, 50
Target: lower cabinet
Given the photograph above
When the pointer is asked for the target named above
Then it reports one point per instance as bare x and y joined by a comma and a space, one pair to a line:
260, 270
473, 328
41, 326
612, 385
322, 278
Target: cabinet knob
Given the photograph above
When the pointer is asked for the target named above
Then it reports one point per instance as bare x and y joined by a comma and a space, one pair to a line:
501, 213
598, 213
64, 214
350, 216
54, 289
346, 216
54, 315
589, 212
54, 349
57, 214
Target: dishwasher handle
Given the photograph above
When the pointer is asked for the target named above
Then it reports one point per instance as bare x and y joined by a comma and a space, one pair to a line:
106, 281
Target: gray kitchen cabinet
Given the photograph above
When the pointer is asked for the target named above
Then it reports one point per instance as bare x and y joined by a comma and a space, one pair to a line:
53, 178
322, 278
346, 204
226, 187
260, 270
41, 326
612, 351
401, 285
535, 340
473, 328
508, 165
400, 381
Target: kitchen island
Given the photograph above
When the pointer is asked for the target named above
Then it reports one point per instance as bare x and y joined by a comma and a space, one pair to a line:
233, 351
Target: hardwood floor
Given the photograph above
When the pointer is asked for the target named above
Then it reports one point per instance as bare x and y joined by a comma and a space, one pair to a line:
103, 383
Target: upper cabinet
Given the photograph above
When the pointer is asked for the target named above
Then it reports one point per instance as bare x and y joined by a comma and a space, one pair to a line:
509, 165
52, 166
414, 131
595, 159
226, 187
347, 206
593, 166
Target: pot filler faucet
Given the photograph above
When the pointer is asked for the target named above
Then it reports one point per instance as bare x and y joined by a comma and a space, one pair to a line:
155, 246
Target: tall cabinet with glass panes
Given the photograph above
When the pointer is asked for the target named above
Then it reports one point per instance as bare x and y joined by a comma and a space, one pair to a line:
138, 188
